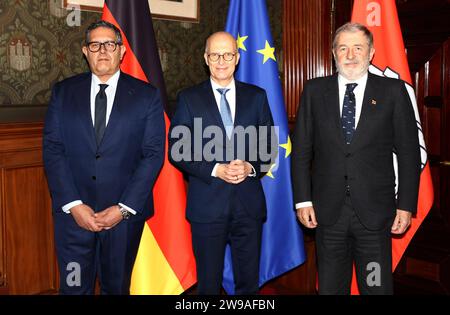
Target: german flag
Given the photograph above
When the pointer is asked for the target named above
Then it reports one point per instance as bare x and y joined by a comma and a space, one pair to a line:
165, 262
381, 18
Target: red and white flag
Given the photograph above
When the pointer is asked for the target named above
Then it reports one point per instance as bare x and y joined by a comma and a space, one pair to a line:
380, 16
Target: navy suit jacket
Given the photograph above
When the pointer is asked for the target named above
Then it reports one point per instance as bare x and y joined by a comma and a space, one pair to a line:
124, 167
323, 164
209, 197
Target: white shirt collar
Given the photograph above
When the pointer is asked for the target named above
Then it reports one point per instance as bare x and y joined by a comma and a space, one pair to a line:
361, 81
112, 81
216, 86
231, 95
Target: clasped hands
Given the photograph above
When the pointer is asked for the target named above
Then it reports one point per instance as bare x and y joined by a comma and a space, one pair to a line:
87, 219
234, 172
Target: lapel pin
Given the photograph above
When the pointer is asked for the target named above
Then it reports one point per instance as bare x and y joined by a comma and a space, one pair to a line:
374, 102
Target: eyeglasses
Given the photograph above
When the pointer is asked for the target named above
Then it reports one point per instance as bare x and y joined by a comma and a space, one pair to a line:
110, 46
214, 57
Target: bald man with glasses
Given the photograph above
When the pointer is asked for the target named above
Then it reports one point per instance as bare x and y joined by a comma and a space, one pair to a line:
226, 203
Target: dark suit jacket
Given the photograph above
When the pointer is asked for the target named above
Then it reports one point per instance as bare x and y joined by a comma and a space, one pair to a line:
322, 162
209, 197
124, 166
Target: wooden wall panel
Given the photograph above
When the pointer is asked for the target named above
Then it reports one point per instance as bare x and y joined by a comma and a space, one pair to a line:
29, 241
28, 264
307, 47
431, 98
434, 75
445, 134
445, 139
425, 265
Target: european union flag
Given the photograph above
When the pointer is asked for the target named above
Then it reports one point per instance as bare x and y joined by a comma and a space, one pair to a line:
282, 239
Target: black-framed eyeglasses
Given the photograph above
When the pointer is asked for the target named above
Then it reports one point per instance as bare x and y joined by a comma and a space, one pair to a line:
214, 57
110, 46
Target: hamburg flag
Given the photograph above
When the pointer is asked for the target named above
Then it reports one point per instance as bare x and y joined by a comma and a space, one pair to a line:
165, 262
380, 16
282, 245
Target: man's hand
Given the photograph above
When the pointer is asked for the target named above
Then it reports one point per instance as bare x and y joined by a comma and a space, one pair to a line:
307, 217
109, 217
402, 222
85, 218
234, 172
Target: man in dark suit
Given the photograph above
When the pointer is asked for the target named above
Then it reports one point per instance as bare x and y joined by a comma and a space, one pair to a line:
348, 126
215, 138
103, 148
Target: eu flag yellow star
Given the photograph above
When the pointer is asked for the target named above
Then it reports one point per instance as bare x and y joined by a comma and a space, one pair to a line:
268, 52
269, 173
240, 42
287, 146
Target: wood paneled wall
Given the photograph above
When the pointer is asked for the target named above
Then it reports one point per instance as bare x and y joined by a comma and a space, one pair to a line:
425, 266
445, 136
27, 257
433, 98
307, 40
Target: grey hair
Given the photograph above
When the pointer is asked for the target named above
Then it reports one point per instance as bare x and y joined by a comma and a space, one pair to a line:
353, 28
105, 24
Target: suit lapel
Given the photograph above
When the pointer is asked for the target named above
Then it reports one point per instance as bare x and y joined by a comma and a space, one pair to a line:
120, 100
239, 102
331, 101
364, 118
83, 104
211, 105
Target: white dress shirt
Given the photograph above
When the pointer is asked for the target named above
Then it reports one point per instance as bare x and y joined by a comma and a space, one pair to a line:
110, 94
359, 96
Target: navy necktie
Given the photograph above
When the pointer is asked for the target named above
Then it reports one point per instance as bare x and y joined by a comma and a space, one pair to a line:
348, 113
100, 113
225, 112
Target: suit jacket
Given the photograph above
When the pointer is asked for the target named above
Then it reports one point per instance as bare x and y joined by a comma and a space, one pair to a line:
323, 164
209, 197
124, 167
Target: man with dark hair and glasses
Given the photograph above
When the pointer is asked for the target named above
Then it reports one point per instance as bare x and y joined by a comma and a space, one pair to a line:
225, 202
103, 148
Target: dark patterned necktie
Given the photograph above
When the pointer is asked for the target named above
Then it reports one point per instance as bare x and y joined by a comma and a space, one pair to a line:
348, 113
100, 113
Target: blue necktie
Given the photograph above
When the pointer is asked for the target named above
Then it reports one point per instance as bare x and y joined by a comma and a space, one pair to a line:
100, 113
225, 112
348, 113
